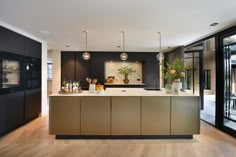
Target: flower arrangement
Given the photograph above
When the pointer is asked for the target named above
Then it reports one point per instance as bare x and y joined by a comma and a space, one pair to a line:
126, 70
175, 70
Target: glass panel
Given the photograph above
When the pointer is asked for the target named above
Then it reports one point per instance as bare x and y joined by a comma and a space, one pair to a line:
50, 70
209, 107
191, 60
229, 84
9, 73
192, 57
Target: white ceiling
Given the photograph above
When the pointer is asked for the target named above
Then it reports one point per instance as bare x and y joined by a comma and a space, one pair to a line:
179, 21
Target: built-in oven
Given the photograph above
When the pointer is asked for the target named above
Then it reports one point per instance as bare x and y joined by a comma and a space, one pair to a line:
11, 72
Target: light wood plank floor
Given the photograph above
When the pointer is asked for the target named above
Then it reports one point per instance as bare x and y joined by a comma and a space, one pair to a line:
33, 140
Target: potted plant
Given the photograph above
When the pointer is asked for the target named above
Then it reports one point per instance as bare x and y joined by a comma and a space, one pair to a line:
175, 72
126, 70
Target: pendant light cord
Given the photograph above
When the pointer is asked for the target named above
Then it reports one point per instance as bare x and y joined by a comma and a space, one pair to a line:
160, 41
123, 40
86, 40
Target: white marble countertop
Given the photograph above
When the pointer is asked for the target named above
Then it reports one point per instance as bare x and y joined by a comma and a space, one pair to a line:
122, 84
125, 92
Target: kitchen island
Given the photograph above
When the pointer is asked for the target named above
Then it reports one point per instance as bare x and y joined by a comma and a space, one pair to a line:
124, 112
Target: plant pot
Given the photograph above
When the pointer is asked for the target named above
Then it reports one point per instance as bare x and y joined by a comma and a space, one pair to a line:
176, 85
126, 80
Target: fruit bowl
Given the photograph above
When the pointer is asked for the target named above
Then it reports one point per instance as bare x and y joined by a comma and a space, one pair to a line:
100, 91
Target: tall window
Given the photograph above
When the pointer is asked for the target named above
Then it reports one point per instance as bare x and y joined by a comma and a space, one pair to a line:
49, 70
207, 79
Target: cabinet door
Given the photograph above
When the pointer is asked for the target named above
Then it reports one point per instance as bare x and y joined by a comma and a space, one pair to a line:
185, 115
95, 115
11, 41
12, 106
2, 116
125, 116
67, 66
32, 48
155, 115
64, 115
32, 103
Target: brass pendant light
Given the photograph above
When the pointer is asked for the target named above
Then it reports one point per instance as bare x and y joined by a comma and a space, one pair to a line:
86, 54
160, 56
123, 55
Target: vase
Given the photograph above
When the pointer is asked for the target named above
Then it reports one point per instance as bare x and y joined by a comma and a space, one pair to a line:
126, 80
168, 88
92, 88
176, 85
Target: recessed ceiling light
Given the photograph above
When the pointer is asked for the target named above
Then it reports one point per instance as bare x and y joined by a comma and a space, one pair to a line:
118, 46
44, 32
214, 24
67, 45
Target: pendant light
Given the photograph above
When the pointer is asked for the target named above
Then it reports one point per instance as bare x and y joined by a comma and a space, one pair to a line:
86, 55
160, 56
123, 55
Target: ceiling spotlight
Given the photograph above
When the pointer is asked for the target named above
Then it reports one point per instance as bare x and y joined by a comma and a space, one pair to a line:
214, 24
86, 55
123, 55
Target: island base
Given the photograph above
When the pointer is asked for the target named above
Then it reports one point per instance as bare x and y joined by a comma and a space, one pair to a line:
64, 137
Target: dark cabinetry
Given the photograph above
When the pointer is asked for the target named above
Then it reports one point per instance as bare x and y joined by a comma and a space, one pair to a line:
82, 70
19, 106
11, 41
73, 67
32, 48
68, 66
12, 111
32, 103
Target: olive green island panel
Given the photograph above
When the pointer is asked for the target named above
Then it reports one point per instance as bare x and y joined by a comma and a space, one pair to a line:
155, 115
95, 115
64, 115
118, 112
185, 115
125, 115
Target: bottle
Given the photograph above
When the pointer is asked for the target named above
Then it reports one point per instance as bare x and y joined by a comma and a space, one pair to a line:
63, 85
70, 86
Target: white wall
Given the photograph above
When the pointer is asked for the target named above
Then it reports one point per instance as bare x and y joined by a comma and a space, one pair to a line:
44, 62
56, 73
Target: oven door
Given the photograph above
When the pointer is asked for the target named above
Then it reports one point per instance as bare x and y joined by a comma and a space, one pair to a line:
11, 73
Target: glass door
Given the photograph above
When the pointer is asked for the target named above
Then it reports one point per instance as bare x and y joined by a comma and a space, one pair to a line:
193, 60
229, 50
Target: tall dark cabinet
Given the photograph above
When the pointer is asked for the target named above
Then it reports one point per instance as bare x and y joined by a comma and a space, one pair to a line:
68, 66
11, 41
12, 111
20, 106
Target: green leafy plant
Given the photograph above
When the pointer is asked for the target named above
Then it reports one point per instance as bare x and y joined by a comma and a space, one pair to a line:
175, 70
126, 70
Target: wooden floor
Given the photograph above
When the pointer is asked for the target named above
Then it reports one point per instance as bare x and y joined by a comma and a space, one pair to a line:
32, 140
